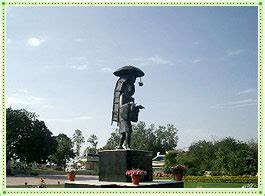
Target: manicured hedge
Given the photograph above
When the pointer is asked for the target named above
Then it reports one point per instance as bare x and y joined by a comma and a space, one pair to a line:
216, 179
222, 179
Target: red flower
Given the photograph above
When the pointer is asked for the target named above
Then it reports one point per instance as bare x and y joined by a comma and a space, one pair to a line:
137, 172
178, 169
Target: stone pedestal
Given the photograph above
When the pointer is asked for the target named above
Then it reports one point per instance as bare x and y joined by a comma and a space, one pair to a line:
103, 184
113, 164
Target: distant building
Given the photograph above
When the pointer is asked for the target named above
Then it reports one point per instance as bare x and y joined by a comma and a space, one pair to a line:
92, 162
89, 162
158, 163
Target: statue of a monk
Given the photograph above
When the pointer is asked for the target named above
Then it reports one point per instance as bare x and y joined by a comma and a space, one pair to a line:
125, 110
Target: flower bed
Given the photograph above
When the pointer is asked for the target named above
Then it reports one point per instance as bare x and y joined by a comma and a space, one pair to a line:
163, 175
178, 169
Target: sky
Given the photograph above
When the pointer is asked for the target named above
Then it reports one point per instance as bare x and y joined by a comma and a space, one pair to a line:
200, 67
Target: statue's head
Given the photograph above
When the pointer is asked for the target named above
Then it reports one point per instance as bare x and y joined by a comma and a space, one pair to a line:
128, 86
132, 79
129, 78
130, 89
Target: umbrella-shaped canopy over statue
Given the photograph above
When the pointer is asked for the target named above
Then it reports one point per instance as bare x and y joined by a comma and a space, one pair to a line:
129, 70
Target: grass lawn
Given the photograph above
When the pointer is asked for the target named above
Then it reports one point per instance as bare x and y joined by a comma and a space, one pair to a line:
212, 185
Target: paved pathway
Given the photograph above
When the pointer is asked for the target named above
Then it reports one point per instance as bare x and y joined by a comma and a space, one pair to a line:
49, 179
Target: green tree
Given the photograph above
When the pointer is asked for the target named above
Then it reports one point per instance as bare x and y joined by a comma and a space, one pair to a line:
113, 141
188, 159
28, 139
78, 139
203, 153
93, 140
166, 138
171, 157
235, 157
253, 160
143, 137
150, 138
226, 156
170, 160
64, 151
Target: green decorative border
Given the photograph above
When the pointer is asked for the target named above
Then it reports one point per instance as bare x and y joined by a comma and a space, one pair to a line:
27, 191
3, 139
14, 3
260, 84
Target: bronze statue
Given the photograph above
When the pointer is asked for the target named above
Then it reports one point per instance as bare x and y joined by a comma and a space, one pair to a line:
125, 110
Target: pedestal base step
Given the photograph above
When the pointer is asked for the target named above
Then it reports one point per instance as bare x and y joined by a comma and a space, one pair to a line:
104, 184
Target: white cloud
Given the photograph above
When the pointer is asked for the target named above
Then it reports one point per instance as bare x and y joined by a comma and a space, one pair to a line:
79, 63
8, 41
106, 69
153, 60
247, 91
34, 42
196, 61
82, 118
158, 60
234, 52
79, 67
23, 91
239, 103
76, 118
196, 42
24, 99
79, 58
79, 40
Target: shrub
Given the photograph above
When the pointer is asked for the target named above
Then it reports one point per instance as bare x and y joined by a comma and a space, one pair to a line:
213, 179
171, 158
193, 172
222, 179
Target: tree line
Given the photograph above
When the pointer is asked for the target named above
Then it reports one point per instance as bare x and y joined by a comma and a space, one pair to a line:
226, 156
157, 139
29, 140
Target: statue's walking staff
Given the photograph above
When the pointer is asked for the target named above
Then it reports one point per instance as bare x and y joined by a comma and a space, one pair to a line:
125, 110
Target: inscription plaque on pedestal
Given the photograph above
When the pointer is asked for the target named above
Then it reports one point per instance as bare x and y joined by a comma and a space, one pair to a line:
113, 164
